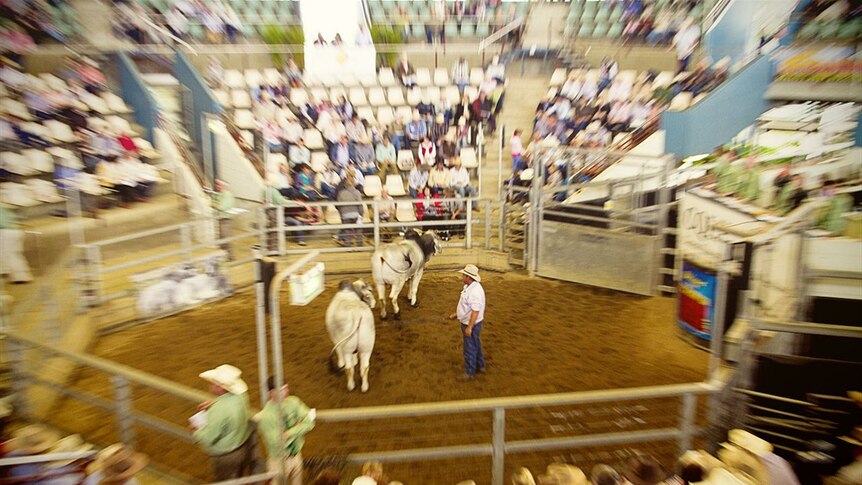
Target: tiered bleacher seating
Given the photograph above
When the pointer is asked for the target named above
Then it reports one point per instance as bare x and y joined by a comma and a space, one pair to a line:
45, 136
41, 22
833, 21
413, 16
605, 19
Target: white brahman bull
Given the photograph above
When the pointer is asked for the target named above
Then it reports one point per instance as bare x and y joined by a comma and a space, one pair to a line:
397, 262
350, 324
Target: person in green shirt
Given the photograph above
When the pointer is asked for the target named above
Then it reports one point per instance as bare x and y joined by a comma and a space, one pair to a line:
386, 156
727, 175
748, 186
297, 421
13, 261
227, 434
832, 217
791, 196
224, 202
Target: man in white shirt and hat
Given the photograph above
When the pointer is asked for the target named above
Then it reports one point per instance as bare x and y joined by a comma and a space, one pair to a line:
225, 432
471, 313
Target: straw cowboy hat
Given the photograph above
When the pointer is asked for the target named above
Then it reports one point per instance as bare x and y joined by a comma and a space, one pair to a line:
855, 437
563, 474
522, 476
33, 439
739, 438
472, 271
118, 464
227, 377
69, 444
645, 470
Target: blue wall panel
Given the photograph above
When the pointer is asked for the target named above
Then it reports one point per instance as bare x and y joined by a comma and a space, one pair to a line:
137, 96
722, 114
203, 101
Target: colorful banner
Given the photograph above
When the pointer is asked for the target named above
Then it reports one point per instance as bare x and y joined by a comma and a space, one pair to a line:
829, 64
696, 312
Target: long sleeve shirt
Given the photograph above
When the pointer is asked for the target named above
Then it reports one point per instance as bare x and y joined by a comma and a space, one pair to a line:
296, 424
385, 153
227, 425
459, 177
418, 179
223, 202
416, 130
439, 178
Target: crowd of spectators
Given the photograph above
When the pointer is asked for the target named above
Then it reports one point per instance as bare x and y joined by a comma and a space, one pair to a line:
442, 19
116, 464
658, 22
71, 126
427, 147
25, 23
219, 20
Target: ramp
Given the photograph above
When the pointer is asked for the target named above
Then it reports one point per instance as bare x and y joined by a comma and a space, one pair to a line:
545, 26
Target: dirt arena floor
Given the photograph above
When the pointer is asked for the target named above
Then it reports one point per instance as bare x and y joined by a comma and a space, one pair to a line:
540, 336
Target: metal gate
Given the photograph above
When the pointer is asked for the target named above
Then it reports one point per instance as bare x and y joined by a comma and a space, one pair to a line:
604, 225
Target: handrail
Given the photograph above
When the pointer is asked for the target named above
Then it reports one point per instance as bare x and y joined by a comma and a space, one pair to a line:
714, 14
248, 151
130, 373
169, 127
24, 460
514, 402
491, 39
805, 328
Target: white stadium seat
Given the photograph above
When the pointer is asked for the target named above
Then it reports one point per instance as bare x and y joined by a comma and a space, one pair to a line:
253, 78
16, 163
357, 97
44, 191
247, 137
310, 79
244, 119
385, 115
319, 161
441, 77
559, 77
331, 215
404, 113
60, 131
423, 77
313, 139
680, 102
36, 129
366, 113
319, 94
336, 93
240, 99
477, 76
395, 96
414, 96
17, 194
468, 157
298, 96
376, 97
405, 212
274, 161
40, 160
330, 80
472, 92
395, 185
234, 79
272, 76
386, 77
453, 95
120, 124
115, 103
223, 98
53, 81
15, 108
372, 186
405, 160
95, 103
432, 94
368, 80
347, 79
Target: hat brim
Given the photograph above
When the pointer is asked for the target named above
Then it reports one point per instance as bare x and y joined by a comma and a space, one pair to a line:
851, 440
139, 462
475, 277
236, 387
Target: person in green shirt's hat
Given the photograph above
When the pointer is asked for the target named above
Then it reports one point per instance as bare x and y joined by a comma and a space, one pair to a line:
297, 421
224, 203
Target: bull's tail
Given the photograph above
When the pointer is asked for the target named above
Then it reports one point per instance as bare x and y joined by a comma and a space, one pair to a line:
334, 365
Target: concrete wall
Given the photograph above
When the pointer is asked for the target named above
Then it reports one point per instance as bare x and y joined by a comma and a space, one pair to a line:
233, 168
137, 96
736, 33
721, 115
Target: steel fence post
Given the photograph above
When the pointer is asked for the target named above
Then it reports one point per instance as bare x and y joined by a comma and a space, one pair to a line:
498, 446
686, 422
376, 208
469, 230
18, 365
94, 260
488, 207
279, 224
123, 409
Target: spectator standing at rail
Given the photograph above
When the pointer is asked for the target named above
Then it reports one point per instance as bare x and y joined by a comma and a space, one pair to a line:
685, 42
227, 434
224, 203
351, 213
297, 421
471, 313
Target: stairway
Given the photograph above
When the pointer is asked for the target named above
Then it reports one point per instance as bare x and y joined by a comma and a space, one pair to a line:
95, 18
545, 25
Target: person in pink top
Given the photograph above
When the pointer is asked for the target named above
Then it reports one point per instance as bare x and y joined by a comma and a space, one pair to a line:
517, 148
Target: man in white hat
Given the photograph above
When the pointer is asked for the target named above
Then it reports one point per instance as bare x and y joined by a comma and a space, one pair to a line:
227, 435
471, 313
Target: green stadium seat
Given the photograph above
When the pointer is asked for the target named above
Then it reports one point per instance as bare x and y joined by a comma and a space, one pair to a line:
615, 30
809, 31
483, 30
590, 9
601, 30
616, 14
829, 30
451, 28
602, 14
575, 11
586, 30
196, 31
418, 30
467, 29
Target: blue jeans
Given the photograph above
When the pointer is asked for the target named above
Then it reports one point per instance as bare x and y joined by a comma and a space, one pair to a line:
474, 359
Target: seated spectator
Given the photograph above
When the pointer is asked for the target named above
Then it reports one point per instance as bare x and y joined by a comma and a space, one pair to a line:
305, 183
372, 473
496, 71
427, 152
459, 180
607, 72
350, 214
364, 155
416, 130
284, 181
386, 156
791, 196
328, 181
293, 73
385, 205
461, 74
455, 210
448, 150
299, 154
351, 172
832, 218
340, 154
438, 129
427, 208
438, 179
418, 180
405, 72
397, 134
291, 133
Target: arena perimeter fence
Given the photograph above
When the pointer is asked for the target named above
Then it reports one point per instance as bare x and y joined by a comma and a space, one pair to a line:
111, 402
